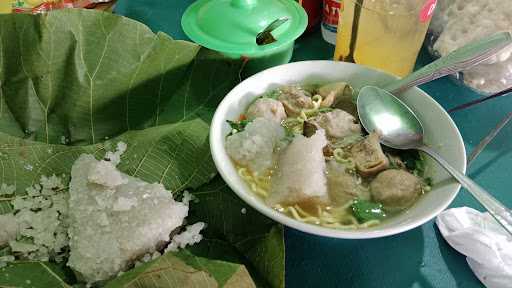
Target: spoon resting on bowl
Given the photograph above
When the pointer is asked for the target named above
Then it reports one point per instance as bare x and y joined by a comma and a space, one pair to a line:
399, 128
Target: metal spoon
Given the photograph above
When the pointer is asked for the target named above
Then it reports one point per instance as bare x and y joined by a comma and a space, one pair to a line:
399, 128
460, 59
265, 37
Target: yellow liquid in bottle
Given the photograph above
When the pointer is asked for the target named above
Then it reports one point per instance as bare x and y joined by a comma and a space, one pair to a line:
388, 41
5, 6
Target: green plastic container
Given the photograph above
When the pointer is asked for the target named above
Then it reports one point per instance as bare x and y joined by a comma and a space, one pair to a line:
231, 26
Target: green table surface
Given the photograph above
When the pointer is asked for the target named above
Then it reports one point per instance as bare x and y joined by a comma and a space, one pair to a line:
417, 258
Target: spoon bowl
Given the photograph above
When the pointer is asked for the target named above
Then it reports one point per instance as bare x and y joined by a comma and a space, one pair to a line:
396, 123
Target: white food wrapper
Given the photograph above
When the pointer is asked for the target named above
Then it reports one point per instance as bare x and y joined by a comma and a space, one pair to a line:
486, 244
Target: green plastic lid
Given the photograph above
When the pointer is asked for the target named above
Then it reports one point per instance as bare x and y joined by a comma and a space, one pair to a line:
231, 26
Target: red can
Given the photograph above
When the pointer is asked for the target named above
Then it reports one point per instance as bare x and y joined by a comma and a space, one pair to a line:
314, 10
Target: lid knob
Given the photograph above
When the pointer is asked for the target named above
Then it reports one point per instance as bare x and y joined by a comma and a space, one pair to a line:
244, 4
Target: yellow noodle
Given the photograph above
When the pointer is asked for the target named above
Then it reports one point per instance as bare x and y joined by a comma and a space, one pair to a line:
303, 117
255, 183
295, 214
340, 157
317, 101
304, 213
294, 124
369, 223
331, 217
243, 172
339, 154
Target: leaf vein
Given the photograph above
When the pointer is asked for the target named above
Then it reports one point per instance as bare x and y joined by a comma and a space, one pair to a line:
62, 283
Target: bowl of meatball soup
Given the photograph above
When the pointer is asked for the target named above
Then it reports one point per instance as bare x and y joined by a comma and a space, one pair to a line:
289, 143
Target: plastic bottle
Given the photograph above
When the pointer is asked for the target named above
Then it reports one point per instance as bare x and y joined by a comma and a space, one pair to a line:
331, 13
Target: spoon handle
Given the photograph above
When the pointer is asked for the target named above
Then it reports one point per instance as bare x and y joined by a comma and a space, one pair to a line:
501, 213
458, 60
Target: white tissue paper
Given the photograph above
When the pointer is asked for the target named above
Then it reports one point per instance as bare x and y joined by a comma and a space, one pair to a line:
486, 244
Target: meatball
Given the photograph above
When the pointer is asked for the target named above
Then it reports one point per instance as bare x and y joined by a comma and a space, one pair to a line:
254, 147
344, 186
338, 124
295, 99
266, 108
368, 156
395, 188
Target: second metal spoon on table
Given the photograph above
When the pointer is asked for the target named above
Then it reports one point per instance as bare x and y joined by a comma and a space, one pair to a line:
399, 128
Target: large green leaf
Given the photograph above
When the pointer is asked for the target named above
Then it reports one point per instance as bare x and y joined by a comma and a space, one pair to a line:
89, 80
172, 270
88, 75
35, 274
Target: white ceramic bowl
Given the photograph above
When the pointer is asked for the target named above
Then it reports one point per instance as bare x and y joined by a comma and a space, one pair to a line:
440, 132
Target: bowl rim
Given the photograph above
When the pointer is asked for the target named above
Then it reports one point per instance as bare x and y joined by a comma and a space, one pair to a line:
220, 156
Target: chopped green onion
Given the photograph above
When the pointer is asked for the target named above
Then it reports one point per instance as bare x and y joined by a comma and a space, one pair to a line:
366, 211
325, 109
414, 162
238, 126
274, 94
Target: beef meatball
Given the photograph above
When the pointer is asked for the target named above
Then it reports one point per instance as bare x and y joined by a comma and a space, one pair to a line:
395, 188
266, 108
294, 100
338, 124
